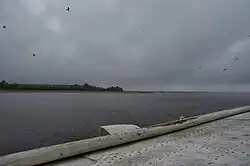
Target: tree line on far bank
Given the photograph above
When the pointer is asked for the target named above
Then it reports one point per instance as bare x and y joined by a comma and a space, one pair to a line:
4, 85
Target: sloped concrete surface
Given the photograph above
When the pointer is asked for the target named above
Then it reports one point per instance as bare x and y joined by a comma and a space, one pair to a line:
113, 129
225, 141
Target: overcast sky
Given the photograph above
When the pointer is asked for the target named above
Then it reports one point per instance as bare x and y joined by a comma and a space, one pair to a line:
136, 44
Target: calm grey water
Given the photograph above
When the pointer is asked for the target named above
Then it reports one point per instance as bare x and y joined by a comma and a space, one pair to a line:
32, 120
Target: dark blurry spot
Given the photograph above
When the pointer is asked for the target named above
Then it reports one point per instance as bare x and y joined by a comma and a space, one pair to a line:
236, 58
234, 138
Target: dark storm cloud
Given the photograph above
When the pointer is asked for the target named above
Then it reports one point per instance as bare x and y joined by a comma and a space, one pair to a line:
140, 44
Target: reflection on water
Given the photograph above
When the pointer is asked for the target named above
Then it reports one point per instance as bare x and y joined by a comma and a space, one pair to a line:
31, 120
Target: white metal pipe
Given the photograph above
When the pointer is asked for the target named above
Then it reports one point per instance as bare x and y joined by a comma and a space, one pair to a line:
57, 152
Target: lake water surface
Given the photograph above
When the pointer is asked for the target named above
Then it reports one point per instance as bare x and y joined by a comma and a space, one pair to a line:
34, 119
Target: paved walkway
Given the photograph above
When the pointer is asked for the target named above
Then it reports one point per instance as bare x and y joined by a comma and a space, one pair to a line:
222, 142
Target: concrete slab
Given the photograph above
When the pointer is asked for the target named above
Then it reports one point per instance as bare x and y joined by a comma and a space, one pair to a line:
220, 138
114, 129
222, 142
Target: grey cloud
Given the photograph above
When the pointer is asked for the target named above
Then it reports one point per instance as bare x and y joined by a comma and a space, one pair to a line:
144, 44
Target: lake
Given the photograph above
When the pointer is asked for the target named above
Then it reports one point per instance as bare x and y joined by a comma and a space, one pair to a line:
34, 119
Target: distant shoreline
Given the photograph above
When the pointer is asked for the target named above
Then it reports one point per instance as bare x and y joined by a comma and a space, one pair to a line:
57, 91
4, 85
123, 92
73, 91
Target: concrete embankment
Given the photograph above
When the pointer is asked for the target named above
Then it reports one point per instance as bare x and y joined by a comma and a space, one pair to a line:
57, 152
